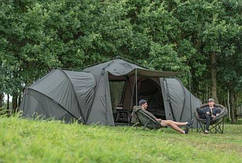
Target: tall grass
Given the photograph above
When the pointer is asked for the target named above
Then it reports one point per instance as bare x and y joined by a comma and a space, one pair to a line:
24, 140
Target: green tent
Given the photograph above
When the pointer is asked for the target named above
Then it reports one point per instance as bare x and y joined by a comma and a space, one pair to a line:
99, 94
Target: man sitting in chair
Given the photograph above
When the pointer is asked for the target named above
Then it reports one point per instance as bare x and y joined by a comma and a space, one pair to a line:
175, 125
209, 113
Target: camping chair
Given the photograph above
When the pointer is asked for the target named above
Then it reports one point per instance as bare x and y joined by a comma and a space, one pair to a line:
146, 119
123, 116
216, 125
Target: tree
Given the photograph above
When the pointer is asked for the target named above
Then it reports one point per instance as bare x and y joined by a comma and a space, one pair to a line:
37, 36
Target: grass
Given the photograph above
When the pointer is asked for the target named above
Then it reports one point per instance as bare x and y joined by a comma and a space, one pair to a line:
24, 140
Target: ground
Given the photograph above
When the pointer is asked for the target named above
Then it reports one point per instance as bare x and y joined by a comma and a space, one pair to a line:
24, 140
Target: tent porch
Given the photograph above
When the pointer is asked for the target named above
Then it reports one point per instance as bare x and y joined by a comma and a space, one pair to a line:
124, 96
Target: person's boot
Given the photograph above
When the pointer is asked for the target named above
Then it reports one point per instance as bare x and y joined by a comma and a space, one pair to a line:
186, 130
189, 124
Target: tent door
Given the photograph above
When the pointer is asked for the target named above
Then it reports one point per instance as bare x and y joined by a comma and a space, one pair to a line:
121, 114
150, 90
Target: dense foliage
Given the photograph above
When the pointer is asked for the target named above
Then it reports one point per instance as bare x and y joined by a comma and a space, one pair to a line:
201, 38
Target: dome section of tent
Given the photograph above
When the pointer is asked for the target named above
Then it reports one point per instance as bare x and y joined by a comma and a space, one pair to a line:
117, 67
60, 94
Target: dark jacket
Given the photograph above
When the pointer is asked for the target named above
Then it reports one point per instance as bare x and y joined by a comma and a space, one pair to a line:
206, 109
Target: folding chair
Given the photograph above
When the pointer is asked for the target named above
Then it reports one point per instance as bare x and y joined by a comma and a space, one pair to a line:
146, 119
123, 117
216, 125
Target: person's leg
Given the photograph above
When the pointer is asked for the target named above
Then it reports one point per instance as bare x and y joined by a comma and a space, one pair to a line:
208, 118
178, 123
202, 116
172, 125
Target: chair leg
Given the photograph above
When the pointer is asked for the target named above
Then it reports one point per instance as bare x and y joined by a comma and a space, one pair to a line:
145, 125
135, 125
222, 126
203, 127
200, 126
217, 127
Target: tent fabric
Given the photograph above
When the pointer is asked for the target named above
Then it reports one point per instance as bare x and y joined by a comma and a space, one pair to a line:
85, 96
120, 67
72, 91
115, 67
101, 111
83, 85
38, 105
151, 73
180, 104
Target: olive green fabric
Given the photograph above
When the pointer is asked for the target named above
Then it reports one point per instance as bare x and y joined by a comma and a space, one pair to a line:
147, 119
85, 96
62, 95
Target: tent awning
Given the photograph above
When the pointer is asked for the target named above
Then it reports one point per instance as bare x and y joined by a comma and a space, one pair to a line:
153, 73
144, 73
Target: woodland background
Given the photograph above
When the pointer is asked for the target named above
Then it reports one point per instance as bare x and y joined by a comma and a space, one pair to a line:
199, 38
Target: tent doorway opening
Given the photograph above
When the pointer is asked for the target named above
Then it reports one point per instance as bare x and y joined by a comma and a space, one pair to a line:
150, 90
121, 112
123, 98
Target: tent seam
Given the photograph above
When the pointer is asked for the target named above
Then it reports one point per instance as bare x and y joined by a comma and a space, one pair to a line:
75, 95
184, 101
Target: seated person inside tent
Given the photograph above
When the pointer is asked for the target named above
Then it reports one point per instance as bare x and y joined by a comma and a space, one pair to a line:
209, 113
175, 125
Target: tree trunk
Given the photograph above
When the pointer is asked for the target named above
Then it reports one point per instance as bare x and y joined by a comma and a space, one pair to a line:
235, 108
228, 104
232, 110
208, 92
1, 99
14, 102
19, 100
8, 102
214, 77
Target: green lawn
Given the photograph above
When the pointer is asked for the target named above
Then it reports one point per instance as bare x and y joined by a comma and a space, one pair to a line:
52, 141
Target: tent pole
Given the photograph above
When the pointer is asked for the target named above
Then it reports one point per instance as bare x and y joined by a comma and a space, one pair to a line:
136, 91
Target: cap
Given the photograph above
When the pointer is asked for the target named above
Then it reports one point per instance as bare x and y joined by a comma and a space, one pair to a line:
211, 100
142, 101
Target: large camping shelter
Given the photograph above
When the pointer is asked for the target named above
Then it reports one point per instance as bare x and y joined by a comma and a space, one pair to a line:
106, 93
